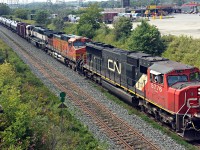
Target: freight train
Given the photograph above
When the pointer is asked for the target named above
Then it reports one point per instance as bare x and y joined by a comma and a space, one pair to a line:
168, 90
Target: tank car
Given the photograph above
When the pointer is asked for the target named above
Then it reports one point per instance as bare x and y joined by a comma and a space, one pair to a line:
1, 20
7, 23
13, 26
168, 90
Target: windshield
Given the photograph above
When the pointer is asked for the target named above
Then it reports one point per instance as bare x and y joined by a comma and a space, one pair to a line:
174, 79
195, 76
79, 43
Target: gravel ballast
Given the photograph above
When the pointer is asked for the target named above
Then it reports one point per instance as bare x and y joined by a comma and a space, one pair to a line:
156, 136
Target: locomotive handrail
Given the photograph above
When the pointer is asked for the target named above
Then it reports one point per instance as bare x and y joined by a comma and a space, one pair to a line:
185, 115
185, 101
194, 127
144, 81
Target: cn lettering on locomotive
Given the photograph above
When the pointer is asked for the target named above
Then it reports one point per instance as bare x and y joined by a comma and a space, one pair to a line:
114, 66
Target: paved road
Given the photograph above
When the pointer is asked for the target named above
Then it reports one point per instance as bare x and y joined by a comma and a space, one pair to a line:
179, 24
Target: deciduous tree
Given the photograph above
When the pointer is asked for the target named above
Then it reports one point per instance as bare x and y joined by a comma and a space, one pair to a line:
42, 17
122, 28
21, 13
4, 9
58, 23
146, 38
90, 21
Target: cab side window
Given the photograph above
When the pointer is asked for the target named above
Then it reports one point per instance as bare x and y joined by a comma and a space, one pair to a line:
160, 79
156, 78
70, 44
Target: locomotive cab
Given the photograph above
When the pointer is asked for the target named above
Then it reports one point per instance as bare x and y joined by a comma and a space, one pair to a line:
175, 87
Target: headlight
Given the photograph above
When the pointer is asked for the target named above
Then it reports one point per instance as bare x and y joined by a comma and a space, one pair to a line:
198, 91
195, 114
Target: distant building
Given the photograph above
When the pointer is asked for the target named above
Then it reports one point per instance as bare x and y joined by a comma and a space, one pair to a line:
125, 3
192, 7
73, 18
114, 10
54, 16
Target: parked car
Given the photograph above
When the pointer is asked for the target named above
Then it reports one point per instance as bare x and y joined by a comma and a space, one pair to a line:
136, 16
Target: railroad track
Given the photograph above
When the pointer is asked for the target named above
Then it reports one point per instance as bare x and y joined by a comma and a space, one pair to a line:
125, 136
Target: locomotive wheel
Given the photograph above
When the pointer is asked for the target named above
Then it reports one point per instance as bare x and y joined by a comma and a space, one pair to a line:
143, 109
46, 50
157, 116
74, 67
173, 125
66, 62
162, 120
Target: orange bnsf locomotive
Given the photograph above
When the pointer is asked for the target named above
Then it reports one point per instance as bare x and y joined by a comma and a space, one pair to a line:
168, 90
68, 48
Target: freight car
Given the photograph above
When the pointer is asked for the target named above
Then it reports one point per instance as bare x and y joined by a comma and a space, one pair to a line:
168, 90
108, 17
21, 29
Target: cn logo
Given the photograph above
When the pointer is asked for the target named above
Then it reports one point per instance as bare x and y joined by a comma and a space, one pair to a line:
114, 66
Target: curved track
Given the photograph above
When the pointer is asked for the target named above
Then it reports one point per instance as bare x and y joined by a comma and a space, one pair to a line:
125, 136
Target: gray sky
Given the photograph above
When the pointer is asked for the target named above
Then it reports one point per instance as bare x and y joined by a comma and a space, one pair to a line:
19, 1
29, 1
26, 1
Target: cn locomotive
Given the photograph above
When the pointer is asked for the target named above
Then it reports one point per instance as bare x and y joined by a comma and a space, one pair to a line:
168, 90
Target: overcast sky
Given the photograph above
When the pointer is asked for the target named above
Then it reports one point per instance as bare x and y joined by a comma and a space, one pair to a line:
28, 1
